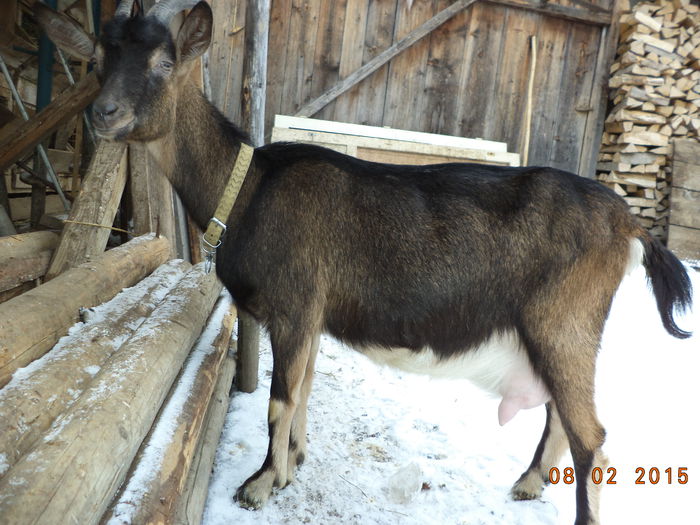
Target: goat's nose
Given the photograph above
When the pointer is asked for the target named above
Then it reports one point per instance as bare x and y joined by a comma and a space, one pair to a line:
105, 111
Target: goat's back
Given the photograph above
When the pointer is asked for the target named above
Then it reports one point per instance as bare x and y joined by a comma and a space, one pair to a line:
416, 256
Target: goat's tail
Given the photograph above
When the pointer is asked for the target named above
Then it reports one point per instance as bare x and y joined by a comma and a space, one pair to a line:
669, 281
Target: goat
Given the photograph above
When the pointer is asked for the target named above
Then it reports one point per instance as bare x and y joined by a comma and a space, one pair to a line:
503, 275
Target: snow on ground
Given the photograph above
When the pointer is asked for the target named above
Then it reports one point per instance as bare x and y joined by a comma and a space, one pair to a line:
377, 436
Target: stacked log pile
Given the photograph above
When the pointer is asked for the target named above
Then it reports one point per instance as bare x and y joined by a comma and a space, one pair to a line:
119, 418
655, 92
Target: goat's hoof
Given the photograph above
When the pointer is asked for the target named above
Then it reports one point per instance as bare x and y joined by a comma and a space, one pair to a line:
255, 492
528, 487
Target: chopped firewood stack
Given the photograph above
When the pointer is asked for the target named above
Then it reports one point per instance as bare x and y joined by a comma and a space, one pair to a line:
655, 90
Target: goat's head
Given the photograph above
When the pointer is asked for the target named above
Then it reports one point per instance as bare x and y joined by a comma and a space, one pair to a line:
138, 63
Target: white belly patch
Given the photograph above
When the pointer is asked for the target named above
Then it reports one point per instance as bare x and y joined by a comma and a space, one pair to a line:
499, 366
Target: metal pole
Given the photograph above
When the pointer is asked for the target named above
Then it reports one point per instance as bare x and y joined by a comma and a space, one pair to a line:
71, 81
40, 147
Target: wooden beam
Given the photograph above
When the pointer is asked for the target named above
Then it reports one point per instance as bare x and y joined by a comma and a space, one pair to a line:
31, 403
32, 323
97, 203
151, 196
255, 69
595, 16
19, 137
377, 62
253, 95
74, 471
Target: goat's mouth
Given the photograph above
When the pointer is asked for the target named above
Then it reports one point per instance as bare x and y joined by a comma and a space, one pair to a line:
118, 132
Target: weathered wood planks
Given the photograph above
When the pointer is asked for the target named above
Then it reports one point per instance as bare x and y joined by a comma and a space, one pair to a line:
468, 77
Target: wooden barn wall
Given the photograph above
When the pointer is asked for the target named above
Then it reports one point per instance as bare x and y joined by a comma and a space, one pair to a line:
467, 78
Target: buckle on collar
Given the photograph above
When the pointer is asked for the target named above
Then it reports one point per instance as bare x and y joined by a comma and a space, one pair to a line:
209, 249
220, 225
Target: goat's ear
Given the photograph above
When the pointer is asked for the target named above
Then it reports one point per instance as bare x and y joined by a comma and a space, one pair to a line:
65, 32
195, 34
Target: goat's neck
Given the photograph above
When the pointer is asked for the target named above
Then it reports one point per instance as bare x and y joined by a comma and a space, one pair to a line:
197, 155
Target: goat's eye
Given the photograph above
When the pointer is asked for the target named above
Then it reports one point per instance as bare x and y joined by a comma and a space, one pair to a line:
165, 65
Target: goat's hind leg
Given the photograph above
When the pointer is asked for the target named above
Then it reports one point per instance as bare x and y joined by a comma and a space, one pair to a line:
547, 455
297, 437
291, 349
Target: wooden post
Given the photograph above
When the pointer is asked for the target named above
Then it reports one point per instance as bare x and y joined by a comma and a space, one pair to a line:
32, 323
254, 84
151, 196
96, 204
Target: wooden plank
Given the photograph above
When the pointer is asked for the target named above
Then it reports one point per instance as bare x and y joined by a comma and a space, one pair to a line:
297, 64
96, 204
354, 144
578, 70
19, 137
314, 106
686, 175
444, 67
403, 96
580, 14
551, 54
684, 242
280, 14
75, 470
371, 93
687, 151
226, 56
384, 132
352, 51
32, 323
484, 43
685, 208
508, 121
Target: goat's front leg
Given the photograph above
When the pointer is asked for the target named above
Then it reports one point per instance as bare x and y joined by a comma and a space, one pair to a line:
291, 352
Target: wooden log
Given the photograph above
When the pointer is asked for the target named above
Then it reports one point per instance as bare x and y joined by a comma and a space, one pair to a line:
32, 323
17, 290
25, 257
36, 396
191, 507
159, 476
74, 471
96, 204
20, 137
